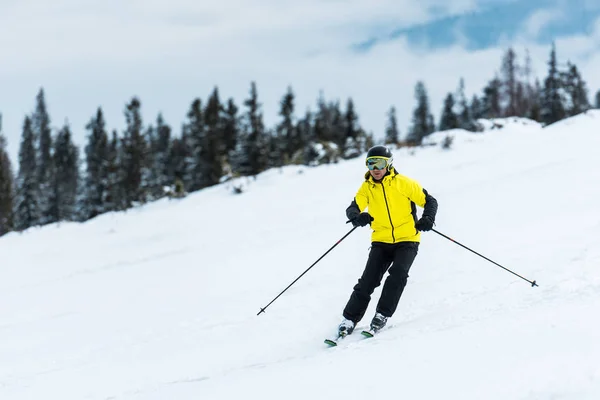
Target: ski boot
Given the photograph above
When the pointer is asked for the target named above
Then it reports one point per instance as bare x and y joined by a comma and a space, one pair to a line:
346, 327
377, 323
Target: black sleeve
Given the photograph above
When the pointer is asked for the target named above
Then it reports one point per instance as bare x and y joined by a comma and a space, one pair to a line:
352, 211
431, 206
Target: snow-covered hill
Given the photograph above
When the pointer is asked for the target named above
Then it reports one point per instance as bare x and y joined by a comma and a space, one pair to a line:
161, 302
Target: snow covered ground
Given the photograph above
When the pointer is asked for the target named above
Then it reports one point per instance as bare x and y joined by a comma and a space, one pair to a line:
161, 302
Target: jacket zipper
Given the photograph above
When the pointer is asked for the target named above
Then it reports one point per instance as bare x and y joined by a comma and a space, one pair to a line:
388, 210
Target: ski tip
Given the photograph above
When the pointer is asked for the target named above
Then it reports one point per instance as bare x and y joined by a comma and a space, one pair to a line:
367, 334
330, 342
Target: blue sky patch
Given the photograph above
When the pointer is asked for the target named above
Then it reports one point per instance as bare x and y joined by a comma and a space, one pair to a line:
493, 22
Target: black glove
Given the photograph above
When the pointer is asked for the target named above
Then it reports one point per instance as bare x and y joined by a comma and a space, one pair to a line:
362, 219
425, 223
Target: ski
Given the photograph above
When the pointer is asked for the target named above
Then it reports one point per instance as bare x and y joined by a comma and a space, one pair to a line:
334, 342
368, 333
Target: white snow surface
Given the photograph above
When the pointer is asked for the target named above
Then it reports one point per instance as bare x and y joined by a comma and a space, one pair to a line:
161, 302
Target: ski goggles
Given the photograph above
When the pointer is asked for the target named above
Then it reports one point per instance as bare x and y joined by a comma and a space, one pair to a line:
377, 163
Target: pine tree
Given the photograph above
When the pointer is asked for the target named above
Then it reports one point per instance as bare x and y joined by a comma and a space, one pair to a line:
510, 71
552, 107
27, 207
194, 133
66, 176
422, 121
463, 111
156, 159
255, 131
161, 149
351, 127
535, 106
97, 174
476, 108
320, 120
116, 199
490, 104
392, 133
179, 157
448, 119
212, 145
329, 124
336, 126
133, 152
529, 97
239, 157
576, 91
521, 100
231, 126
285, 129
43, 136
7, 186
308, 137
352, 145
149, 185
598, 99
275, 149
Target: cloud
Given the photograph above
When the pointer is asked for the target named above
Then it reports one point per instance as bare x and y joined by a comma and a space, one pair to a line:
539, 20
64, 31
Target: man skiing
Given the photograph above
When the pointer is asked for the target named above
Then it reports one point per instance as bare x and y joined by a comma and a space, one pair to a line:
391, 200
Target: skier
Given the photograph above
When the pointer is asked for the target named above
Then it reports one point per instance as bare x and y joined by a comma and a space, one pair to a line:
390, 199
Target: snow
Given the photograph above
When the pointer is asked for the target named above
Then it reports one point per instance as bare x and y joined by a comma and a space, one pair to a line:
513, 124
161, 302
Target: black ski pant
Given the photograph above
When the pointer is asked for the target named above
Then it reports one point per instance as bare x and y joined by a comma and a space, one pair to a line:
400, 257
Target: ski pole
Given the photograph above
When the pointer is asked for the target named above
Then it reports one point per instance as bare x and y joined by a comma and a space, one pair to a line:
533, 283
262, 310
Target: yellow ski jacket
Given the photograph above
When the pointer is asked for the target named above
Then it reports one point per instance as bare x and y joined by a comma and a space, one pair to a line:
392, 204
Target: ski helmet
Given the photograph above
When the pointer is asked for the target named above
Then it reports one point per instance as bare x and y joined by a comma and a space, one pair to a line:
380, 151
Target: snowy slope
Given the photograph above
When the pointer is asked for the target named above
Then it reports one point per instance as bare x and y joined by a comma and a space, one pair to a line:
161, 302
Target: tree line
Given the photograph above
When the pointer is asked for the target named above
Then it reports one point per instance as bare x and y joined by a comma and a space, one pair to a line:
512, 92
56, 181
219, 140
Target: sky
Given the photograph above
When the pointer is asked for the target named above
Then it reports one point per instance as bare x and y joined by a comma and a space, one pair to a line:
102, 53
161, 301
